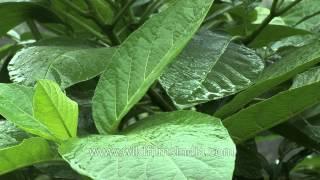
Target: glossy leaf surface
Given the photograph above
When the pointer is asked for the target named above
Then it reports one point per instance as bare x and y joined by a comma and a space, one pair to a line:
159, 147
210, 67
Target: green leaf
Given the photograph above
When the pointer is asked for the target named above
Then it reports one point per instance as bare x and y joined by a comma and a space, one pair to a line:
4, 50
65, 61
55, 110
311, 163
277, 27
295, 61
298, 135
306, 78
308, 9
249, 162
104, 9
16, 106
293, 41
278, 109
15, 12
149, 150
10, 134
210, 67
264, 38
140, 60
29, 152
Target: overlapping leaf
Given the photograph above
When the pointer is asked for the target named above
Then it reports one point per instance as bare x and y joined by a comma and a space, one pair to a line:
29, 152
277, 27
264, 115
16, 106
10, 134
55, 110
52, 115
295, 61
305, 15
15, 12
140, 60
65, 61
209, 68
159, 147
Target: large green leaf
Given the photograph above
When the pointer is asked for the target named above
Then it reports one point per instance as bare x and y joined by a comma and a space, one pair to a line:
29, 152
55, 110
139, 61
209, 68
264, 115
16, 106
65, 61
14, 12
10, 134
176, 145
297, 60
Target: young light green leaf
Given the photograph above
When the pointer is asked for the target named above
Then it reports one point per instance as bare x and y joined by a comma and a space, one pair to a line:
209, 68
65, 61
15, 12
264, 115
55, 110
16, 106
159, 147
295, 61
140, 60
10, 134
29, 152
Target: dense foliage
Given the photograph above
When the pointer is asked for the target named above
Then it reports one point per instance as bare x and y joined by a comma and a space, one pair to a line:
159, 89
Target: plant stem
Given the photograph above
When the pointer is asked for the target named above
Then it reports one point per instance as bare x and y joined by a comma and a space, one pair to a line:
112, 4
87, 27
306, 18
122, 12
150, 9
284, 10
34, 29
220, 11
77, 9
273, 13
96, 17
160, 101
94, 13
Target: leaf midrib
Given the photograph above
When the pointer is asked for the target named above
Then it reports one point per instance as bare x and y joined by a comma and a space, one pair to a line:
58, 112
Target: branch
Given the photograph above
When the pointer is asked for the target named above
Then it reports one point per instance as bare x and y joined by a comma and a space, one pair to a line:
122, 12
85, 26
160, 101
221, 11
306, 18
77, 9
273, 13
150, 9
34, 29
112, 4
94, 14
284, 10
